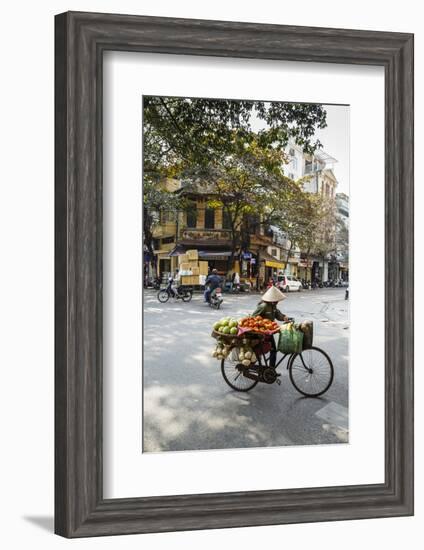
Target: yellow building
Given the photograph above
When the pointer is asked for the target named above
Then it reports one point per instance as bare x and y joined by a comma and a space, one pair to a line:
208, 230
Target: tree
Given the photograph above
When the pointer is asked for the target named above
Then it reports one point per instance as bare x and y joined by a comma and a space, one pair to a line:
210, 143
296, 217
197, 131
249, 182
157, 199
342, 239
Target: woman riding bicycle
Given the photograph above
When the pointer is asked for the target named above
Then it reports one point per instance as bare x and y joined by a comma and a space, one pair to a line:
267, 308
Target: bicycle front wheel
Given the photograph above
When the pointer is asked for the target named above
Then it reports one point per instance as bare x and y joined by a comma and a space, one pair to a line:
311, 372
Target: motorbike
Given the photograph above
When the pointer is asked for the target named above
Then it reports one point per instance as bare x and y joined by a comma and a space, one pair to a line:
305, 284
156, 283
315, 284
215, 299
184, 293
232, 289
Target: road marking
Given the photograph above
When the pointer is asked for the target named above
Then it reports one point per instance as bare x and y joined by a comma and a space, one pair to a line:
337, 420
335, 414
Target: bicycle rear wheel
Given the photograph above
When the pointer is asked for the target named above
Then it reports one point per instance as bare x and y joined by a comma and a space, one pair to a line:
234, 372
311, 372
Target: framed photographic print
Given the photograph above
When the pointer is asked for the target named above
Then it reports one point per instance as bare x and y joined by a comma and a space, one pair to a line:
234, 274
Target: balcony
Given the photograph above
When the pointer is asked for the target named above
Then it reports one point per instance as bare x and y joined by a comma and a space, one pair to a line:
206, 236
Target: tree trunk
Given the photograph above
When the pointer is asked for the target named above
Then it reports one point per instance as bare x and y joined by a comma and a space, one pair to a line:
234, 243
288, 253
148, 239
308, 252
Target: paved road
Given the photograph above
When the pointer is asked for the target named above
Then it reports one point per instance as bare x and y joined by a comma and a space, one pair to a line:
187, 404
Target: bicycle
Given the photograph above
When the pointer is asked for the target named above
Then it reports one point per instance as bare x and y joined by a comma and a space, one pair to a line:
311, 372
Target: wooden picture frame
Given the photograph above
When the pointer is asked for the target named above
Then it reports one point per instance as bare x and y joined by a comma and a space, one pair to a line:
81, 39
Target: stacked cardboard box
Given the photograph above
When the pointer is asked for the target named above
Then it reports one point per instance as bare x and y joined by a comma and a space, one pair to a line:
190, 280
182, 258
190, 262
192, 255
203, 268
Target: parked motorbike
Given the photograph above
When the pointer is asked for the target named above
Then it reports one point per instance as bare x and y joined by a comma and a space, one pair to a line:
305, 284
156, 283
232, 289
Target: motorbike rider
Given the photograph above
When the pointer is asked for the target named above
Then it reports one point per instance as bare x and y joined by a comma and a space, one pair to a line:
171, 280
267, 308
212, 282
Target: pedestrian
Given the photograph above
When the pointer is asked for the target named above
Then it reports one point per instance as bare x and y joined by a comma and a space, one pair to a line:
235, 280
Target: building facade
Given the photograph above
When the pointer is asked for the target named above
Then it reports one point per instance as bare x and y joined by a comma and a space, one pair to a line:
267, 252
342, 235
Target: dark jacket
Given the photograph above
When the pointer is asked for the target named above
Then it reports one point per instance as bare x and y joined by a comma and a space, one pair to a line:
268, 310
214, 281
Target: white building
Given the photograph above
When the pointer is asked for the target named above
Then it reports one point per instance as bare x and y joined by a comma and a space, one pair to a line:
342, 235
295, 169
317, 169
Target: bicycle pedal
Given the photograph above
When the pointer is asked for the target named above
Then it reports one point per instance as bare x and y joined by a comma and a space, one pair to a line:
278, 381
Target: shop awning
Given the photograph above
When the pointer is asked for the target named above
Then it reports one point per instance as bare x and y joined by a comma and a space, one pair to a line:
274, 263
214, 255
270, 261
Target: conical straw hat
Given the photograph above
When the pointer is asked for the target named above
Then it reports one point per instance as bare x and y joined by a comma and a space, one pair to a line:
273, 295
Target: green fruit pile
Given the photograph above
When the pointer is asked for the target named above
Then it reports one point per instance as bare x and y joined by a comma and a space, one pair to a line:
226, 326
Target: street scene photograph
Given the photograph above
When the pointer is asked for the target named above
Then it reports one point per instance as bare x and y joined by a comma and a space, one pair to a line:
245, 274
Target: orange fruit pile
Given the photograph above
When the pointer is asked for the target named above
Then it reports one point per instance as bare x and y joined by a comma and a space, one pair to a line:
258, 324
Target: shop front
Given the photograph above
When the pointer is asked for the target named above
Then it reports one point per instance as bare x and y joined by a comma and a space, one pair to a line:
304, 268
270, 268
344, 271
248, 265
217, 259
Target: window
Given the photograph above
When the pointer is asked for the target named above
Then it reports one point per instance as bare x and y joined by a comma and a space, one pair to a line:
209, 218
291, 176
226, 219
292, 152
274, 252
192, 214
294, 163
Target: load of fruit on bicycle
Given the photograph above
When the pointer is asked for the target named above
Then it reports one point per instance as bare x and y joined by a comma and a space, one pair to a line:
234, 327
250, 332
